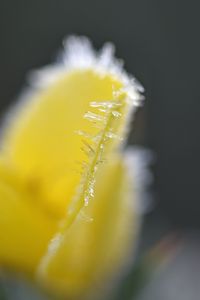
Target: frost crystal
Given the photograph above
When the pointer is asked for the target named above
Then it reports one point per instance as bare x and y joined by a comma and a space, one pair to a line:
79, 54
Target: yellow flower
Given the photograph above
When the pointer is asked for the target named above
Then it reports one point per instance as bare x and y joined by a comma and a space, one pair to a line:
67, 202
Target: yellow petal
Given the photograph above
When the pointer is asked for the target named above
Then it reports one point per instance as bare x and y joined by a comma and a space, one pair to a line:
93, 96
41, 141
24, 231
85, 255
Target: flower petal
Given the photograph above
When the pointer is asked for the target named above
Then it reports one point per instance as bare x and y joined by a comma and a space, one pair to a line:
85, 255
88, 93
24, 230
41, 141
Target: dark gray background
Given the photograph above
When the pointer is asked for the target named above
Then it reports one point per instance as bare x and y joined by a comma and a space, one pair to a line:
159, 41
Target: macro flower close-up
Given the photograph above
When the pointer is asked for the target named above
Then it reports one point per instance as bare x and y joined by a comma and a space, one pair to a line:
99, 150
69, 217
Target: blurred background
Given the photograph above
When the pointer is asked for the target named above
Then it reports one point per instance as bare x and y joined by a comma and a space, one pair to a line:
159, 42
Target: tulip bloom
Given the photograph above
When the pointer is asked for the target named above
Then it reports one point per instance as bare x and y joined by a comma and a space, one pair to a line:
68, 215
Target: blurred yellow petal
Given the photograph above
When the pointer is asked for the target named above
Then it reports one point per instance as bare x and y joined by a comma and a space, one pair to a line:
63, 141
97, 244
24, 230
41, 140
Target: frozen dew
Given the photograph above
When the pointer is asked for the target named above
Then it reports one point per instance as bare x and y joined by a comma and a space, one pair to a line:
105, 104
137, 85
116, 114
90, 116
104, 110
112, 135
91, 190
84, 134
86, 199
96, 138
117, 93
87, 149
